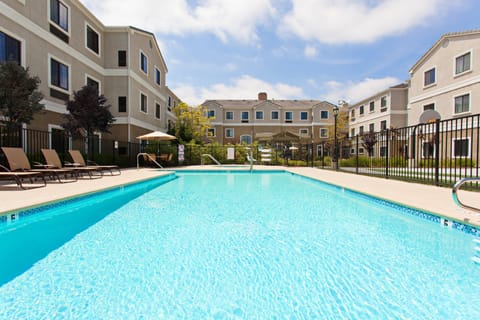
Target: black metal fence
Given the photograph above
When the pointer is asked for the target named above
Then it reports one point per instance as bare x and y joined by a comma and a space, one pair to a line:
437, 153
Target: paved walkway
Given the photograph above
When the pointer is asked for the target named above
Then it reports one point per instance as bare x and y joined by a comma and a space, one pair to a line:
433, 199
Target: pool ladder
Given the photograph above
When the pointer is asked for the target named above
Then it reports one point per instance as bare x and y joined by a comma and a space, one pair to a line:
455, 189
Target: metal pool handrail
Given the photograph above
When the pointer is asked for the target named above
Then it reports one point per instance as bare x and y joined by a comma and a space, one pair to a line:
148, 155
211, 157
455, 189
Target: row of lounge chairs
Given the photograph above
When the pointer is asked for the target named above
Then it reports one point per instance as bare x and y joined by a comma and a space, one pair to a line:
21, 169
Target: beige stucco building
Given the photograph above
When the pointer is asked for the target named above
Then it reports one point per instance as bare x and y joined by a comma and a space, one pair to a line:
67, 47
268, 120
447, 78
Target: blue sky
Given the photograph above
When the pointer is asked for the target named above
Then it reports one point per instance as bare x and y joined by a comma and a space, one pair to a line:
291, 49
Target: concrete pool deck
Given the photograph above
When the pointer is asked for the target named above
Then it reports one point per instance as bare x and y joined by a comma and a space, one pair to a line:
433, 199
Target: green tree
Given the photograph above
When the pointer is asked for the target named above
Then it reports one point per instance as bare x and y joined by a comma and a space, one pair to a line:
19, 97
88, 112
192, 123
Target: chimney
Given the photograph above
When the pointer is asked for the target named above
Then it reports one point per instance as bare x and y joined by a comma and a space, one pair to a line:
262, 96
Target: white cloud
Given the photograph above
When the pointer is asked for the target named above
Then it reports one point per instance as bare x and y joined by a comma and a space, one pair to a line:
224, 18
353, 92
359, 21
245, 87
310, 51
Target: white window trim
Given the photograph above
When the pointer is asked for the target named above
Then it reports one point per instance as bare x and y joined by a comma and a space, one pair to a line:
434, 150
140, 61
434, 105
69, 18
241, 115
271, 115
386, 103
361, 114
93, 78
263, 115
324, 130
155, 111
469, 147
233, 133
140, 102
328, 114
23, 55
214, 132
214, 113
285, 115
246, 135
57, 127
455, 75
99, 40
371, 111
301, 116
50, 57
303, 134
469, 103
233, 115
155, 75
423, 78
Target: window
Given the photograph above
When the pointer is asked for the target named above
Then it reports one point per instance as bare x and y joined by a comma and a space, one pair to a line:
122, 104
461, 148
10, 49
246, 139
372, 106
122, 58
371, 127
245, 116
361, 150
143, 103
462, 63
430, 106
157, 110
93, 83
352, 117
288, 116
383, 151
462, 103
324, 114
383, 104
323, 133
211, 114
92, 40
158, 76
59, 75
361, 110
274, 115
383, 125
229, 115
211, 132
319, 150
59, 14
303, 132
259, 115
229, 133
303, 115
361, 130
352, 132
429, 77
143, 62
428, 150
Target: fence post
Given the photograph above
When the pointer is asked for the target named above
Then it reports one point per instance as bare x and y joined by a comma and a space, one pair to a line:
437, 151
387, 136
356, 154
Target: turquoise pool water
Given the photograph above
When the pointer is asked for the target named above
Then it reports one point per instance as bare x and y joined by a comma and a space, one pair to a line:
235, 246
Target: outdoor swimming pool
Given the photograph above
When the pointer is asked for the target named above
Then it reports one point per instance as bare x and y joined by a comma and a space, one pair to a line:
234, 246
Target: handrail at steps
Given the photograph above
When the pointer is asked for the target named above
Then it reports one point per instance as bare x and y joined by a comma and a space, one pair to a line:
455, 189
148, 155
211, 157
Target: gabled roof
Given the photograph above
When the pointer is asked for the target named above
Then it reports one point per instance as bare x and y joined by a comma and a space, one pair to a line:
439, 43
249, 104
